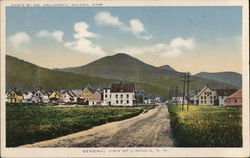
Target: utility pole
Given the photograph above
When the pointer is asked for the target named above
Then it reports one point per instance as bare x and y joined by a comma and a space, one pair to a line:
188, 80
176, 93
172, 92
183, 91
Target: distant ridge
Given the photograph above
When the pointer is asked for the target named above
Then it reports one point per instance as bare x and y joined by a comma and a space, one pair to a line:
231, 78
167, 67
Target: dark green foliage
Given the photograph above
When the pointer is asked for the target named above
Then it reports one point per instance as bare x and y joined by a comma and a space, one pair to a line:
206, 126
29, 124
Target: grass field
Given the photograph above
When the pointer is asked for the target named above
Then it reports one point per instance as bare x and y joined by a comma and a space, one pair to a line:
206, 126
29, 124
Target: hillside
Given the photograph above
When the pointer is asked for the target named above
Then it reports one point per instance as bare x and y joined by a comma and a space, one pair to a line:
125, 67
24, 75
232, 78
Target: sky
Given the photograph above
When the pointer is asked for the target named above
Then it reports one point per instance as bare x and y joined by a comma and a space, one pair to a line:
191, 39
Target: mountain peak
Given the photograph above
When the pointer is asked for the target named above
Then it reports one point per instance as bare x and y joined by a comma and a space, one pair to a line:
167, 67
121, 55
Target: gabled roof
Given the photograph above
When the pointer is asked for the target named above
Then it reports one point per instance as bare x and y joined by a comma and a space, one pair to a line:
225, 92
71, 93
204, 90
44, 92
89, 89
123, 87
77, 91
16, 91
237, 94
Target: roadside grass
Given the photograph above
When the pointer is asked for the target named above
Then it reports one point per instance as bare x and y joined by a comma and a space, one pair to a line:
206, 126
27, 124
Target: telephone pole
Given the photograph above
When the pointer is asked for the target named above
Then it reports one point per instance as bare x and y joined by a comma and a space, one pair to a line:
188, 80
183, 91
176, 92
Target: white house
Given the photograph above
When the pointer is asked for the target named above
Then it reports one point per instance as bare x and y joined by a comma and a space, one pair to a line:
67, 96
178, 100
223, 95
207, 96
106, 97
122, 94
27, 95
157, 99
148, 99
40, 96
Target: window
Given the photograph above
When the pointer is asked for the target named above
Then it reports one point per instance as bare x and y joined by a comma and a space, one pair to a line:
221, 97
211, 102
211, 97
201, 102
121, 101
214, 97
127, 101
127, 96
116, 96
205, 101
201, 97
110, 95
106, 95
117, 101
235, 100
121, 96
210, 93
205, 97
205, 93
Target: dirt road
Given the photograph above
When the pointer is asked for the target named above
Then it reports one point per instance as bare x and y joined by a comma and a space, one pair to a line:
151, 129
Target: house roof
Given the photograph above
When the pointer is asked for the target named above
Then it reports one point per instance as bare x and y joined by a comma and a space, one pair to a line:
225, 92
205, 89
77, 91
123, 87
17, 92
71, 93
89, 89
237, 94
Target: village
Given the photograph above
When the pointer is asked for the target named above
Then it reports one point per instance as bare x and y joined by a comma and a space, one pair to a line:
120, 94
123, 94
210, 96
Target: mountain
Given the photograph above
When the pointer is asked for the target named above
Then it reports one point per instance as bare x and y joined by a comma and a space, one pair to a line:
231, 78
167, 67
24, 75
127, 68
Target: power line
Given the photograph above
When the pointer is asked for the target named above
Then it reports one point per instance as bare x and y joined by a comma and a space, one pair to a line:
183, 90
188, 81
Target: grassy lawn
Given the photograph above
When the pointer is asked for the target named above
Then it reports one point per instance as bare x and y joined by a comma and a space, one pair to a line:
206, 126
29, 124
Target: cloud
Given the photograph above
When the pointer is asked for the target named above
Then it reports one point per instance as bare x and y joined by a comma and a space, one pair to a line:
56, 35
107, 18
135, 26
176, 47
82, 43
18, 39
